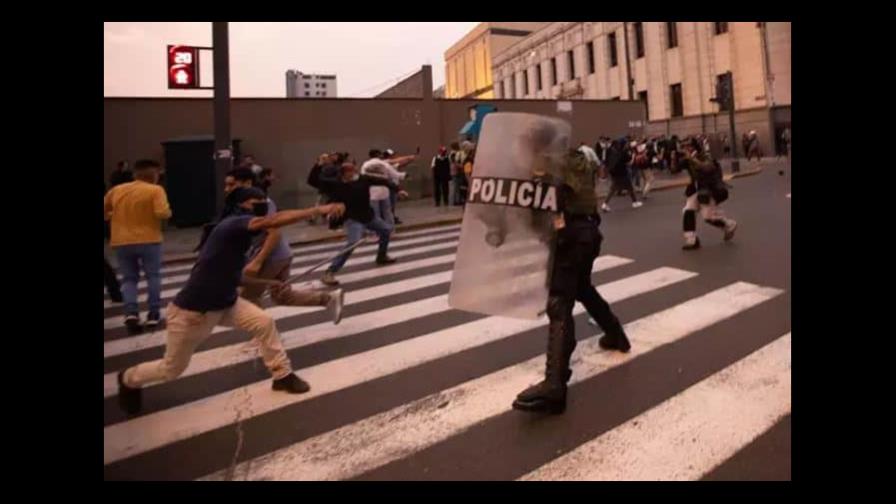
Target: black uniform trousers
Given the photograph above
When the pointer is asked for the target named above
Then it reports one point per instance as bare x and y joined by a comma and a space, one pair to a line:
578, 245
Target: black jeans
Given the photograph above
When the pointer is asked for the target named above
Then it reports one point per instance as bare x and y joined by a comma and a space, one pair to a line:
440, 186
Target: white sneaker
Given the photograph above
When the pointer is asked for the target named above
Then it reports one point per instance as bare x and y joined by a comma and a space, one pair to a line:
637, 204
605, 207
729, 230
337, 298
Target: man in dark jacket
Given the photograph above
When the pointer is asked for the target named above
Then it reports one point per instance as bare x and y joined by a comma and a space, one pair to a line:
354, 191
441, 175
618, 159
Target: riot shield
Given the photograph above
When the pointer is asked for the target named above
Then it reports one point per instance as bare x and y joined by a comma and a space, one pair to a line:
505, 253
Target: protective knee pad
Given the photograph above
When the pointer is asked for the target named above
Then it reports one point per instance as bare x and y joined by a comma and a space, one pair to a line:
689, 220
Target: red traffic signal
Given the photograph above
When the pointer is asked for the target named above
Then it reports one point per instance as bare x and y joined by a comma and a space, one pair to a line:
183, 67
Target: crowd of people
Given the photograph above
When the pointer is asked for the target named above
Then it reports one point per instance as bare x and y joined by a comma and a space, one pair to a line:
243, 254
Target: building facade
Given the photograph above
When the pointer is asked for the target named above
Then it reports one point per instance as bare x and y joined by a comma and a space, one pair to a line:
302, 85
673, 67
468, 63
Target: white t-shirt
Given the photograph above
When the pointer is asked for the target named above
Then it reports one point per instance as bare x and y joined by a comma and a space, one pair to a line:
589, 153
379, 168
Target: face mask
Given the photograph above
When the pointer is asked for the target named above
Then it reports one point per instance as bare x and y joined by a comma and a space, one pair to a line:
260, 209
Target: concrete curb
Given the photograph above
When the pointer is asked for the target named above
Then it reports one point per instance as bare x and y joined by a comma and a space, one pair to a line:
178, 258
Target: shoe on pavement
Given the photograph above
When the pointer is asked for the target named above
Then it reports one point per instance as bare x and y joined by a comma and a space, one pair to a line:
729, 230
152, 321
132, 322
337, 299
329, 279
617, 342
291, 384
130, 400
605, 207
692, 246
637, 204
385, 260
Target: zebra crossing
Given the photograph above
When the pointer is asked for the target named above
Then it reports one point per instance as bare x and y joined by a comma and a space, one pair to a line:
404, 384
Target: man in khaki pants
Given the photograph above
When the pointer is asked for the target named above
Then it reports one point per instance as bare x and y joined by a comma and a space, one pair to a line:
209, 298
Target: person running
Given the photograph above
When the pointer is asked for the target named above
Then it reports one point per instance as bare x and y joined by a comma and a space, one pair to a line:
209, 298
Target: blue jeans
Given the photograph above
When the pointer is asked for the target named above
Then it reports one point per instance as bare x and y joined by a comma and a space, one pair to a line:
131, 258
354, 230
393, 199
382, 209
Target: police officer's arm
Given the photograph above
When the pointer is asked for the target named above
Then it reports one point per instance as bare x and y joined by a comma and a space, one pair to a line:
287, 217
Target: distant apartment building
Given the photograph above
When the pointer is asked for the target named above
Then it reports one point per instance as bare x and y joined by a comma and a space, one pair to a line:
673, 67
302, 85
468, 63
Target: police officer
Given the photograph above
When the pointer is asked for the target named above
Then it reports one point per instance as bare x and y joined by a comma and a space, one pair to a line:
578, 241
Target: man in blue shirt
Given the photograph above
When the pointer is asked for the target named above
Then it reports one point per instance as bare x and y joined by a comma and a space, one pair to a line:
270, 258
210, 298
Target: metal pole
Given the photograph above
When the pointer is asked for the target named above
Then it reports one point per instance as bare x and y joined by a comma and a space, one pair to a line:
628, 63
223, 154
735, 164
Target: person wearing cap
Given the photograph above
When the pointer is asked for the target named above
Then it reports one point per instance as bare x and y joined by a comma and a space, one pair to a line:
270, 258
396, 162
375, 166
618, 158
210, 298
441, 175
704, 193
353, 190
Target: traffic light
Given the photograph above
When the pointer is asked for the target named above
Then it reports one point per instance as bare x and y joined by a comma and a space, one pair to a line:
183, 67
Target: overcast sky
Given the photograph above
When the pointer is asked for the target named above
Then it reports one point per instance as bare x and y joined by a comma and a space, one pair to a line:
366, 57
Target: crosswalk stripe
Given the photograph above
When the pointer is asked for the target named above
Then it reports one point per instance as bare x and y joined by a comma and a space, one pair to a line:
134, 343
116, 321
233, 354
126, 439
691, 433
397, 238
309, 259
377, 440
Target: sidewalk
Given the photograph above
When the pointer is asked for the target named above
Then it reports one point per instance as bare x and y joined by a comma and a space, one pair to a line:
179, 243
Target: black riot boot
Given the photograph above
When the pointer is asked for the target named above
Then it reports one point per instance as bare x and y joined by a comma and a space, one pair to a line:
550, 395
615, 338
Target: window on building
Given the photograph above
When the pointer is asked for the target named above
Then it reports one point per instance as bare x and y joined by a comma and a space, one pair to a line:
721, 27
723, 87
611, 42
642, 96
554, 71
672, 34
572, 65
307, 85
590, 47
526, 82
307, 93
677, 104
538, 77
639, 40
